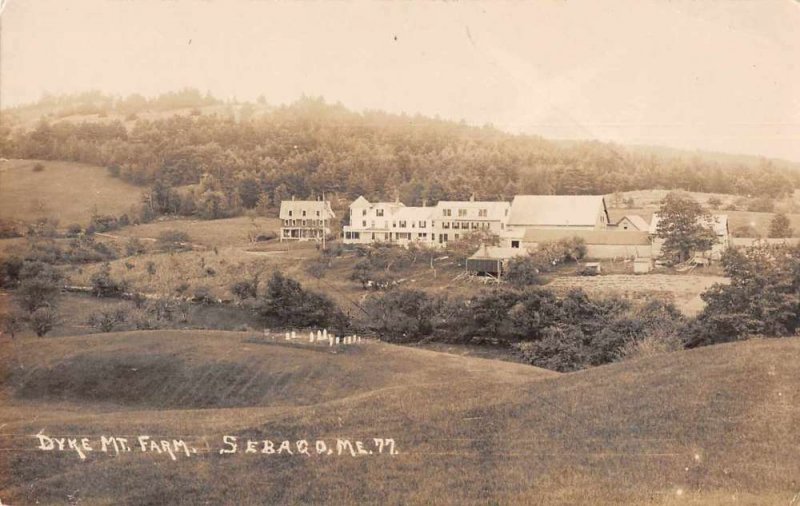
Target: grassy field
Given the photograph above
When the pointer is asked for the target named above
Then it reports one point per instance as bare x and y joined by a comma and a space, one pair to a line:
684, 290
709, 426
239, 231
68, 191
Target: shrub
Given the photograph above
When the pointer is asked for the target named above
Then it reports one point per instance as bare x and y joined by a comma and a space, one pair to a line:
285, 302
401, 315
522, 271
39, 287
38, 167
106, 319
103, 285
202, 295
11, 323
174, 240
10, 269
42, 320
134, 247
74, 230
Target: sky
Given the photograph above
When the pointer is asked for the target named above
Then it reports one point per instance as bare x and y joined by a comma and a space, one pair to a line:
716, 76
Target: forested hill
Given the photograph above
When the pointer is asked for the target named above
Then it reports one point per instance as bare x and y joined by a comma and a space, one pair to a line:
310, 146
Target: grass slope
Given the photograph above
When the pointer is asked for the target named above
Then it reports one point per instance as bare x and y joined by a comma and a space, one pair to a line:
708, 426
68, 191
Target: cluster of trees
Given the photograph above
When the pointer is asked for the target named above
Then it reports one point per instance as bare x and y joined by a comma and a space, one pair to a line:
557, 332
526, 270
285, 302
763, 297
37, 291
213, 166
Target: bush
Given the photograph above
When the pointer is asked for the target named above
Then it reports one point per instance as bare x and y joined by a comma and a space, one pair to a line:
106, 319
39, 286
174, 240
42, 320
10, 269
38, 167
401, 315
522, 271
11, 323
74, 230
202, 295
285, 302
134, 247
103, 285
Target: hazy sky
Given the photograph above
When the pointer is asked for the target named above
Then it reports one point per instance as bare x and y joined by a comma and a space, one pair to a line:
721, 76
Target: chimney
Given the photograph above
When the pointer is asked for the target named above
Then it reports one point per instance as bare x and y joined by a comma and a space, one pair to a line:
424, 202
292, 198
472, 198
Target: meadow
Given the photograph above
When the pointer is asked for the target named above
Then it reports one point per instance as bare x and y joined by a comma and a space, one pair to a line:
707, 426
71, 192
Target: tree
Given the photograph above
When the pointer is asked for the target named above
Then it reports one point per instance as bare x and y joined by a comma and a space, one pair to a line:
286, 302
763, 297
11, 323
522, 271
103, 285
780, 226
39, 286
42, 320
685, 227
401, 315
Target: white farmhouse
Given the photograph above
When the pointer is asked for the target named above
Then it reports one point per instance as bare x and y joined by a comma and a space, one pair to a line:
305, 220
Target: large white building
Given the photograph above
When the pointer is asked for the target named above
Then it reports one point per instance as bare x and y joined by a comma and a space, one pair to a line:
393, 222
524, 224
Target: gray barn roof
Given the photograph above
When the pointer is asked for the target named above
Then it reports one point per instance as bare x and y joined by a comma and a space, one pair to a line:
556, 210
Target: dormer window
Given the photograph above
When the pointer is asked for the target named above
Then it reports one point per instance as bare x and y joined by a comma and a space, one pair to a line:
379, 212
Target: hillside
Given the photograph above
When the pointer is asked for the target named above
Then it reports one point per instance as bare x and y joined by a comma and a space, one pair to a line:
68, 191
708, 426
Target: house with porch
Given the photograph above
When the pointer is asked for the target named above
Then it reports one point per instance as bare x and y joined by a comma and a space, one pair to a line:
305, 220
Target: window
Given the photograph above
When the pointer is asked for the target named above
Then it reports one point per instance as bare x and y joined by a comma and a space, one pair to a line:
290, 213
379, 212
422, 224
455, 237
373, 223
394, 224
364, 223
515, 244
403, 224
483, 213
447, 212
445, 224
317, 213
304, 212
363, 212
462, 213
356, 235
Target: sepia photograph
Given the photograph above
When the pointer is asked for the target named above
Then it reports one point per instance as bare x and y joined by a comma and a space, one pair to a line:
490, 252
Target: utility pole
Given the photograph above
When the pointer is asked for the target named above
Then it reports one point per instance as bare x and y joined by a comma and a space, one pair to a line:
324, 211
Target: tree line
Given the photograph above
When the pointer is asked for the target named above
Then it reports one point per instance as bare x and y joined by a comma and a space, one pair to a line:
227, 164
